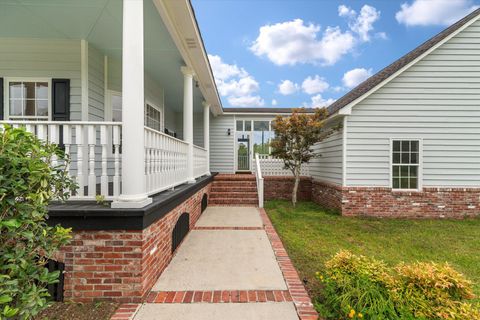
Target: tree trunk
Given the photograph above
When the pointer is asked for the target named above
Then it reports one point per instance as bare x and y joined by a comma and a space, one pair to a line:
295, 186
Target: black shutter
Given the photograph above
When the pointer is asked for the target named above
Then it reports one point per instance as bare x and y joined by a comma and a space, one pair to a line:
61, 103
1, 99
60, 99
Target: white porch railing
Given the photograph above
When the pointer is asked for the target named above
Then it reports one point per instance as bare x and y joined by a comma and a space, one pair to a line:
200, 165
165, 161
271, 166
94, 150
259, 178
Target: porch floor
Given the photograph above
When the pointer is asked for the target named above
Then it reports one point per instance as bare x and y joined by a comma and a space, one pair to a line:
226, 259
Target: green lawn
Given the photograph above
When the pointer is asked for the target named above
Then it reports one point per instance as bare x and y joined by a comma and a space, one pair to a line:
311, 236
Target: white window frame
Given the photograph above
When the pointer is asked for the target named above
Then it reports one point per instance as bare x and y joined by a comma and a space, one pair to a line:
6, 97
108, 107
162, 114
420, 164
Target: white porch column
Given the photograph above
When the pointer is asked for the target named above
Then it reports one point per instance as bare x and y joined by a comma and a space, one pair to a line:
188, 118
133, 193
206, 132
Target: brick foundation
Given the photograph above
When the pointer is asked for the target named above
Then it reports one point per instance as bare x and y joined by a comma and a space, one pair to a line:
383, 202
327, 195
281, 187
429, 203
122, 265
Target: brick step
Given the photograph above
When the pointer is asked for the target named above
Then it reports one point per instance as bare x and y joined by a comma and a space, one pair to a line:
233, 189
252, 201
232, 194
235, 183
234, 177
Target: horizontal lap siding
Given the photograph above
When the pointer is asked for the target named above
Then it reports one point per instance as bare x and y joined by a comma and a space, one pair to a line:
44, 58
327, 166
96, 91
437, 100
221, 144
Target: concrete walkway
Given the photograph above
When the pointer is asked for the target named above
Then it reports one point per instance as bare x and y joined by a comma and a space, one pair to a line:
225, 260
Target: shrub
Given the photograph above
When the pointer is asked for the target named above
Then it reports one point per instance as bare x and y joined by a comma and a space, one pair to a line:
359, 287
28, 182
433, 291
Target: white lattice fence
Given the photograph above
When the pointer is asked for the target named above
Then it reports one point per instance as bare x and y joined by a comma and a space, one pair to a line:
274, 167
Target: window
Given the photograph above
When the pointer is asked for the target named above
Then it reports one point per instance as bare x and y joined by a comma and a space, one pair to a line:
28, 100
153, 117
405, 164
116, 101
239, 125
262, 137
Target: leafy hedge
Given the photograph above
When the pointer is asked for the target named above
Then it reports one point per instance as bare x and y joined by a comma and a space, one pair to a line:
358, 287
28, 182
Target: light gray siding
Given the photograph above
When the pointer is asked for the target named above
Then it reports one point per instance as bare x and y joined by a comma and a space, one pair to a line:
96, 91
221, 144
327, 166
44, 58
436, 100
198, 129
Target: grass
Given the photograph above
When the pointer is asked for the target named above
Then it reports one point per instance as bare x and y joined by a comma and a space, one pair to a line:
312, 235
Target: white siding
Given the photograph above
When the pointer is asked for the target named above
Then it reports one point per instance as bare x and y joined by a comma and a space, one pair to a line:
95, 85
327, 166
221, 144
436, 100
46, 58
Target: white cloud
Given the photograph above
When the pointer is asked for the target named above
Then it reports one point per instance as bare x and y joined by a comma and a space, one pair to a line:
314, 85
318, 101
246, 101
223, 71
235, 83
438, 12
293, 42
362, 23
354, 77
287, 87
274, 102
344, 11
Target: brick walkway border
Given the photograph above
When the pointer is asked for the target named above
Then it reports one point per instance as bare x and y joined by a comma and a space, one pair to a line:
228, 228
126, 311
219, 296
299, 294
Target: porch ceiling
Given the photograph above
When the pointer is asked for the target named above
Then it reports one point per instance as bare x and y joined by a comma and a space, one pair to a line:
100, 23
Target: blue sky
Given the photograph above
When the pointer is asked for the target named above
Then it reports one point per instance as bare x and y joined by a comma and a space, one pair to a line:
293, 53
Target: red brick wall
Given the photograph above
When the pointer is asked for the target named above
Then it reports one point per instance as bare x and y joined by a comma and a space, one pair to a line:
429, 203
281, 187
327, 195
383, 202
122, 265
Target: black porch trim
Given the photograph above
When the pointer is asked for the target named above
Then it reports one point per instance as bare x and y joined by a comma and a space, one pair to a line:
89, 215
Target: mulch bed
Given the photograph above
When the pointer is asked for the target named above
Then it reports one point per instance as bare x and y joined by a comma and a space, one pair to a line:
79, 311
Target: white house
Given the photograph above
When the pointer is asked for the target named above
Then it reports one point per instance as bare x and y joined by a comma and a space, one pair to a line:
125, 87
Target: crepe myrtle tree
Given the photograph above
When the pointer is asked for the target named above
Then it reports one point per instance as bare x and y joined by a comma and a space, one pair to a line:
29, 180
294, 137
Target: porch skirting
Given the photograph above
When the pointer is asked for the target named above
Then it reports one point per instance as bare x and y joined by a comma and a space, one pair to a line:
124, 264
384, 202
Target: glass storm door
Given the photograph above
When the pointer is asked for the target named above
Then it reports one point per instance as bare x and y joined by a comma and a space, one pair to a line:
243, 152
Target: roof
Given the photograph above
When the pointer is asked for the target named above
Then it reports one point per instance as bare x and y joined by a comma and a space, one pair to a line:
388, 71
265, 110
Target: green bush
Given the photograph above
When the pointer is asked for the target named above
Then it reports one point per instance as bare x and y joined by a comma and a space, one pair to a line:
357, 287
28, 182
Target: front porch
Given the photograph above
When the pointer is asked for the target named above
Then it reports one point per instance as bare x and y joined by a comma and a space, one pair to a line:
124, 87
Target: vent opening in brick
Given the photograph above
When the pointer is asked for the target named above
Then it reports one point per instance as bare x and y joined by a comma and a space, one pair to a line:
56, 289
180, 230
204, 202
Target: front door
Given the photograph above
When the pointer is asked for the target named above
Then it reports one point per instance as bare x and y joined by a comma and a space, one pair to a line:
243, 151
